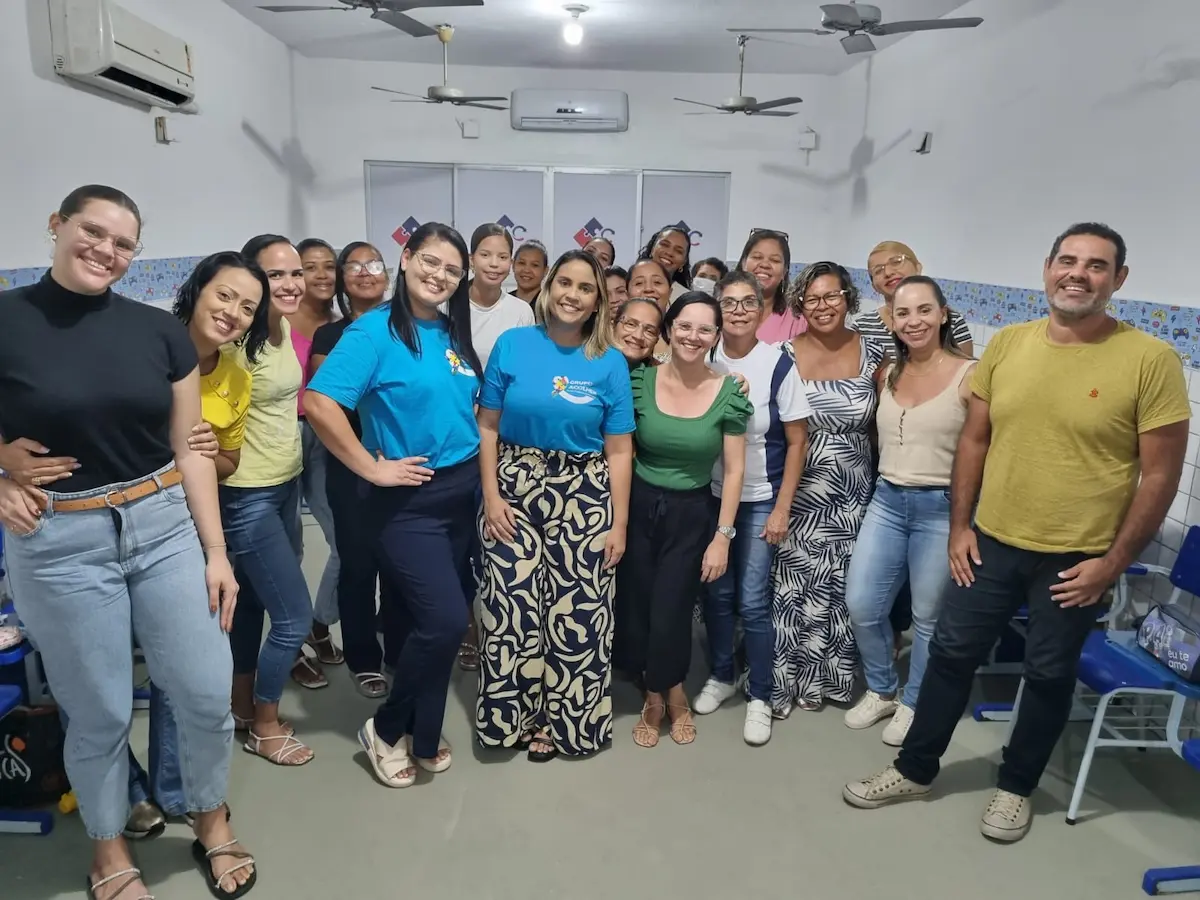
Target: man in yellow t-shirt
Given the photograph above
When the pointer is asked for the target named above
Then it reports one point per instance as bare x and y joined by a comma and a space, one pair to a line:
1073, 448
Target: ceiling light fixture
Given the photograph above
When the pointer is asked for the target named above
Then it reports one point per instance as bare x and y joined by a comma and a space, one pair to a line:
573, 31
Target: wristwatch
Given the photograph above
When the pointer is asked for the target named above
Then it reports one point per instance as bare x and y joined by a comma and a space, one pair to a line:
727, 531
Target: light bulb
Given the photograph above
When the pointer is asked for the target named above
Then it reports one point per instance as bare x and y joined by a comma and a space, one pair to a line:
573, 33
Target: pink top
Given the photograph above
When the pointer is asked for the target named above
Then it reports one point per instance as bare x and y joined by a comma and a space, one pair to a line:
779, 327
303, 348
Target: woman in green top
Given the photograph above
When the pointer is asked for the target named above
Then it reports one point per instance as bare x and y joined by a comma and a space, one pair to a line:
687, 416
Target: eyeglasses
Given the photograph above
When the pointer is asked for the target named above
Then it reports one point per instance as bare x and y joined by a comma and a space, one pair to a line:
371, 267
894, 262
686, 328
733, 304
631, 325
768, 232
431, 264
94, 235
831, 299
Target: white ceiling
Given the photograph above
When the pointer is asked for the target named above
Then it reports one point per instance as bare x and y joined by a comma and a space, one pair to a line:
630, 35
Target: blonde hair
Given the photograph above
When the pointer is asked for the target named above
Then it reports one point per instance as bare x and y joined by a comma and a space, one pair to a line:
598, 330
893, 247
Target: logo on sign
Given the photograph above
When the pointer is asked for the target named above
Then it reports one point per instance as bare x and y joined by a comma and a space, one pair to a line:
694, 237
12, 766
592, 230
405, 231
518, 232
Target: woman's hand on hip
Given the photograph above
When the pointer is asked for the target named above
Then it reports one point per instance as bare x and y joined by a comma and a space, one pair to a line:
614, 547
20, 507
222, 587
204, 441
407, 472
26, 462
499, 521
716, 559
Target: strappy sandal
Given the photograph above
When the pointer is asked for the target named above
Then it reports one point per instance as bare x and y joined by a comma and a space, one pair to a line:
204, 860
371, 685
328, 653
313, 679
134, 875
281, 757
434, 765
241, 726
541, 756
390, 763
468, 657
645, 734
810, 705
682, 732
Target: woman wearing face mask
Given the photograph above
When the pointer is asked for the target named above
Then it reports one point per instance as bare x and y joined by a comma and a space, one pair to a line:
776, 441
556, 457
260, 506
687, 416
360, 286
411, 372
111, 387
316, 310
638, 326
617, 280
768, 257
529, 266
603, 250
815, 656
711, 269
672, 249
923, 399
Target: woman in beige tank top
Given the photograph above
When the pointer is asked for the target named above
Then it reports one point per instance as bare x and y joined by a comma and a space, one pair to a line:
922, 406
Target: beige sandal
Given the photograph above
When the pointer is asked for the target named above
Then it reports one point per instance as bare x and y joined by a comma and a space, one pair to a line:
281, 757
388, 763
645, 734
682, 732
135, 875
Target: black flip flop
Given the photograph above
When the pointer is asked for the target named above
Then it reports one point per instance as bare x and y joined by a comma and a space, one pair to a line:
204, 860
541, 756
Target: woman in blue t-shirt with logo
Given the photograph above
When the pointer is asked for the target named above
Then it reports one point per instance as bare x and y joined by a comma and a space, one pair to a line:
556, 457
412, 374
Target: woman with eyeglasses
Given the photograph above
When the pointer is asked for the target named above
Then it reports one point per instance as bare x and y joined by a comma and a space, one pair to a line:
360, 285
776, 440
687, 417
260, 506
603, 250
768, 257
671, 247
815, 655
529, 266
315, 311
412, 374
556, 458
113, 531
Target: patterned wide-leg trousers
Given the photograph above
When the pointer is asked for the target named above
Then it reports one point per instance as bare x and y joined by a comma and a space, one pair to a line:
546, 619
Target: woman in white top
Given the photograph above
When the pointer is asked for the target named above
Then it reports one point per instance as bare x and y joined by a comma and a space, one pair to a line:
923, 399
493, 311
776, 441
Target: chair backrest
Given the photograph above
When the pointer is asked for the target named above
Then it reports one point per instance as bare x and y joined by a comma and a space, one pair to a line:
1185, 574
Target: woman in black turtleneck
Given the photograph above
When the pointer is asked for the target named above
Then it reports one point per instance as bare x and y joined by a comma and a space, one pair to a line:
113, 527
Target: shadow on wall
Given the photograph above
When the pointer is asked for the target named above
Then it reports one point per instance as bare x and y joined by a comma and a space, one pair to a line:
1160, 75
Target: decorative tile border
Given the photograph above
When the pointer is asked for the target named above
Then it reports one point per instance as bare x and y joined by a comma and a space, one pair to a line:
148, 280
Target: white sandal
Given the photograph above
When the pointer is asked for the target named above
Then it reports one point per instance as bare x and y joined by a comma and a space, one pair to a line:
434, 765
389, 763
134, 875
372, 685
280, 757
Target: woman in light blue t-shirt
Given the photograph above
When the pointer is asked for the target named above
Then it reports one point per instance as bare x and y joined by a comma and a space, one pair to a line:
556, 459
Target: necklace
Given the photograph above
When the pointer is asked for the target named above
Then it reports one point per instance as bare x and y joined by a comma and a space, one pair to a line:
928, 370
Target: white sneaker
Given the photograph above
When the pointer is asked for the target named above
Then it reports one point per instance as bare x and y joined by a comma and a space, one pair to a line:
893, 734
711, 696
869, 709
757, 730
889, 786
1007, 817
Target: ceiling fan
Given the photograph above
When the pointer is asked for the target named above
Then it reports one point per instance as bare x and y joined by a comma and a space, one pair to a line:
860, 21
443, 93
750, 106
391, 12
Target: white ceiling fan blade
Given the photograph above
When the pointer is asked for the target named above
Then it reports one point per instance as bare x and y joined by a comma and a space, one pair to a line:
772, 104
698, 103
480, 99
406, 5
482, 106
858, 43
406, 24
925, 25
306, 8
719, 112
753, 31
401, 93
843, 13
773, 112
415, 101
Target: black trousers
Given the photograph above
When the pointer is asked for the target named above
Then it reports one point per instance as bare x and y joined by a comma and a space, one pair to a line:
970, 623
658, 581
347, 496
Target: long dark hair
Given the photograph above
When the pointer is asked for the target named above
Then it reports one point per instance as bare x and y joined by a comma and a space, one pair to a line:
683, 275
206, 270
339, 279
261, 242
458, 307
945, 334
779, 302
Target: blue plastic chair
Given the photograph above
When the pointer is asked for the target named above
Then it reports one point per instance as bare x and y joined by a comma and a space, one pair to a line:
1179, 879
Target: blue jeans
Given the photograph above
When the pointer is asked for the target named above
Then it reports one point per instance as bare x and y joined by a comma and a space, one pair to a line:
82, 583
744, 589
903, 537
312, 485
262, 527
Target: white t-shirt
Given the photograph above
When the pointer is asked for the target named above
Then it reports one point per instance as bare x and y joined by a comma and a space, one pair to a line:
489, 322
778, 395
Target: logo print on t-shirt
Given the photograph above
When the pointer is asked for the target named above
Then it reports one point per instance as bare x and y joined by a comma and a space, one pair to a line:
1094, 393
573, 391
457, 365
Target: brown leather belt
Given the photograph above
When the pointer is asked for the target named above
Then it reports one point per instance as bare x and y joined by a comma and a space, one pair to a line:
120, 498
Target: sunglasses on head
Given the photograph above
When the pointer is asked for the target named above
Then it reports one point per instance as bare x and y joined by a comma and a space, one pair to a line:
768, 232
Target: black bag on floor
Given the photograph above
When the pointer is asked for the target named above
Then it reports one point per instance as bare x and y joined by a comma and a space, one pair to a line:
31, 757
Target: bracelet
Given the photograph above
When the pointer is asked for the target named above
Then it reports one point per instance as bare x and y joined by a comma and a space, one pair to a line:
214, 547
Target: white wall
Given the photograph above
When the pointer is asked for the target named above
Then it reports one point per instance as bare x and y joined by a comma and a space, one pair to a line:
342, 122
1039, 120
210, 191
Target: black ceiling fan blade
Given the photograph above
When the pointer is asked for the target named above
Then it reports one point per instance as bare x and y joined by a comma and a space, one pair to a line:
698, 103
406, 5
773, 112
483, 106
773, 104
925, 25
401, 93
481, 99
405, 23
415, 101
305, 8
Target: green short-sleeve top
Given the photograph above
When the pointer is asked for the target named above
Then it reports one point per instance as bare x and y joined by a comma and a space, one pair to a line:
678, 454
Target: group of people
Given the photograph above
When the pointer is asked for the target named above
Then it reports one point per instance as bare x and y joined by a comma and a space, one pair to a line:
543, 485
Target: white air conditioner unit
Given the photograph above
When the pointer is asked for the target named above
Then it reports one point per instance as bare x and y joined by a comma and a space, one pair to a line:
555, 109
98, 43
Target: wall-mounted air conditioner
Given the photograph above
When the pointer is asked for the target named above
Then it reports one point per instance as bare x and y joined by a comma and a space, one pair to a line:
566, 109
98, 43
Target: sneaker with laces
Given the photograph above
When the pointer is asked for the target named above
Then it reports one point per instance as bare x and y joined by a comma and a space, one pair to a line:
889, 786
711, 696
870, 708
757, 730
893, 734
1007, 818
